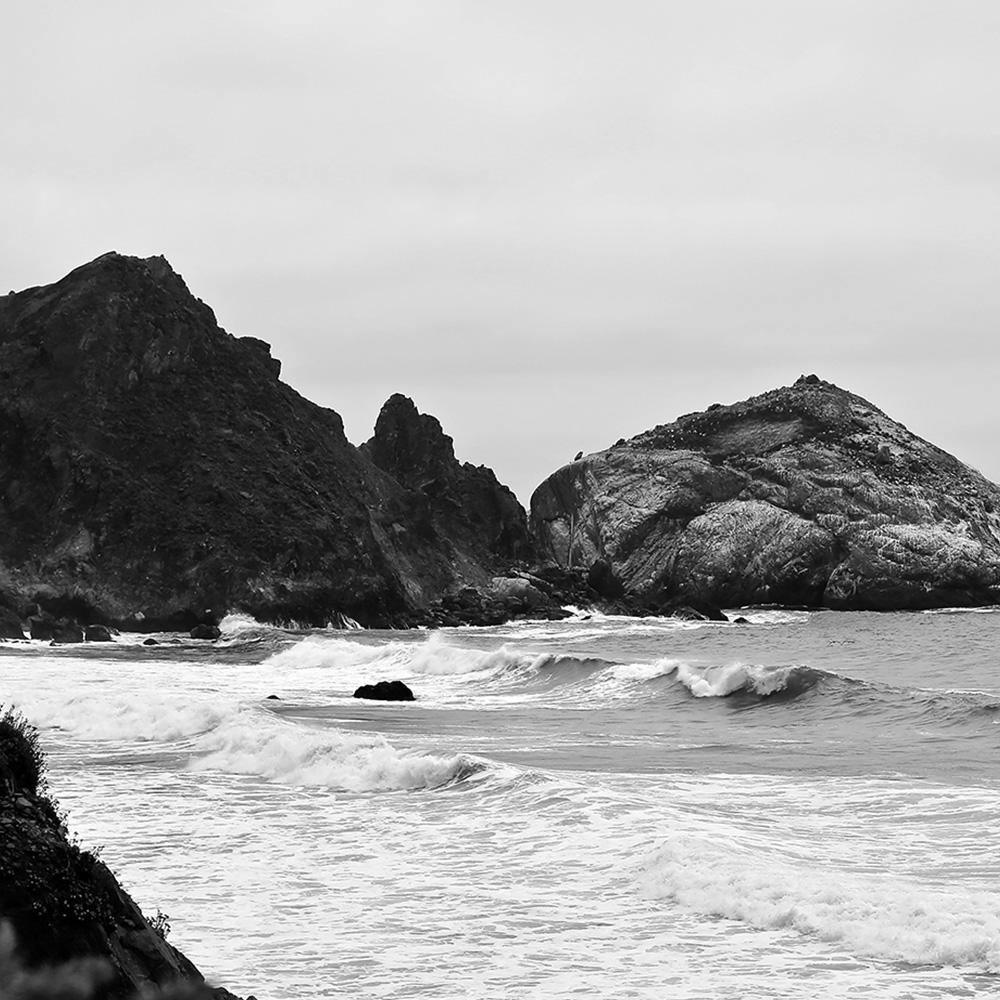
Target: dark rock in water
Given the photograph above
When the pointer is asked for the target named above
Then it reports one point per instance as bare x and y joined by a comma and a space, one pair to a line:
272, 697
805, 495
385, 691
150, 642
230, 489
98, 633
40, 628
10, 624
741, 621
64, 905
704, 613
206, 632
56, 631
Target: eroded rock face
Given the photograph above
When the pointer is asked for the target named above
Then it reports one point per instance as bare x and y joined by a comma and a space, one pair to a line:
807, 494
152, 465
463, 504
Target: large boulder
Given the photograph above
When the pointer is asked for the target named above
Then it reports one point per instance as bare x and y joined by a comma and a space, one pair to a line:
206, 632
10, 624
806, 495
520, 594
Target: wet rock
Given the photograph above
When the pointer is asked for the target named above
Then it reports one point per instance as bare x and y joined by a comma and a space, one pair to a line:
65, 905
98, 633
206, 632
150, 642
385, 691
59, 631
10, 624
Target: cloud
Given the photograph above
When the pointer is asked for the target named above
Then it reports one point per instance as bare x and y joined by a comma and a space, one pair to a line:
520, 209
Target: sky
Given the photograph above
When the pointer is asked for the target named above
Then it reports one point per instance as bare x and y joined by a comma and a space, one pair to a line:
552, 224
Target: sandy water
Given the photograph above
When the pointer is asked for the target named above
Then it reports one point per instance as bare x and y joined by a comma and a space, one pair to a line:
803, 806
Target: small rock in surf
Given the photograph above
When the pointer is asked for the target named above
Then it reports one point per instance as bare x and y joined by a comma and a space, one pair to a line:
385, 691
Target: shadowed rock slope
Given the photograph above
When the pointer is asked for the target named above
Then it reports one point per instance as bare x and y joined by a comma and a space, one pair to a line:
807, 494
76, 932
462, 503
152, 466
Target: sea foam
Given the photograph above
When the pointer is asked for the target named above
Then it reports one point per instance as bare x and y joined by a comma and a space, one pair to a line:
872, 916
289, 754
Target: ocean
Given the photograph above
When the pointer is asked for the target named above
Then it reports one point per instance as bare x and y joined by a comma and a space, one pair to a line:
807, 805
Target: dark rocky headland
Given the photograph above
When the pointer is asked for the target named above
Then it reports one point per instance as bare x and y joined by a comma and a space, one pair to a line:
153, 466
67, 928
156, 473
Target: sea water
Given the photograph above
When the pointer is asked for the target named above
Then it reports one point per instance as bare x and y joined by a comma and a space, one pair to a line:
807, 805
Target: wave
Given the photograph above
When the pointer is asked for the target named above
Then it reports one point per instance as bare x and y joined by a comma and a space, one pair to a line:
723, 680
431, 656
245, 739
443, 673
873, 916
125, 717
288, 754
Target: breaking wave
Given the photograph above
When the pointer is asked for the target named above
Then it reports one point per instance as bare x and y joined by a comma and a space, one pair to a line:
325, 758
234, 739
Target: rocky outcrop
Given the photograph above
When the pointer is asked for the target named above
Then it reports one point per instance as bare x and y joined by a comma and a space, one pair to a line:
385, 691
462, 504
806, 495
64, 905
153, 466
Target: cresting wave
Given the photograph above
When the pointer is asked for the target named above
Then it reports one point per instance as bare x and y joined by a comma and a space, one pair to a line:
576, 680
233, 739
510, 667
878, 917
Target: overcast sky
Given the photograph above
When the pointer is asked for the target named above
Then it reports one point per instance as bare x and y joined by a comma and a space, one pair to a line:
553, 224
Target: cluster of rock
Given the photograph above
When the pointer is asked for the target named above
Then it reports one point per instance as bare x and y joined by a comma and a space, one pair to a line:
152, 465
77, 932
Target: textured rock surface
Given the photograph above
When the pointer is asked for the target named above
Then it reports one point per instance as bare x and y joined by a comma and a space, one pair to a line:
153, 466
462, 504
807, 494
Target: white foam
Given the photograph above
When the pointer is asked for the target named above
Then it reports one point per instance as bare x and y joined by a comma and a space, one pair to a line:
138, 717
288, 754
871, 915
432, 656
645, 671
721, 680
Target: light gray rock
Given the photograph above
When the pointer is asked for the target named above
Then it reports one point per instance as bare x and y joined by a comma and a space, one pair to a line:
807, 494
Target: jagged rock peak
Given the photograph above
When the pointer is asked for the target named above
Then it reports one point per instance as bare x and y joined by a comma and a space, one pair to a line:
464, 501
408, 444
120, 309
